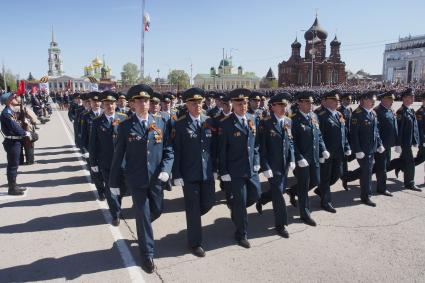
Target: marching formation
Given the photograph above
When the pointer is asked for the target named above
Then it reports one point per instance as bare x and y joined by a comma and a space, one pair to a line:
143, 142
137, 143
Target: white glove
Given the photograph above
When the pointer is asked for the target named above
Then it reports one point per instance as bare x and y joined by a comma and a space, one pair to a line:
321, 160
256, 168
292, 165
423, 144
360, 155
115, 191
86, 155
348, 153
215, 176
268, 174
179, 182
27, 134
326, 154
302, 163
163, 176
95, 169
226, 178
398, 149
380, 149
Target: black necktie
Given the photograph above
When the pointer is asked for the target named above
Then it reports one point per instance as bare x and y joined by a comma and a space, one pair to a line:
143, 126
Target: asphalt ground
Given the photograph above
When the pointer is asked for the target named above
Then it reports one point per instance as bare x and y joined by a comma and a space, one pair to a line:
59, 231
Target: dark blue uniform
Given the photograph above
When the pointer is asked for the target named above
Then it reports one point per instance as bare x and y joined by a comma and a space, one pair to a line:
420, 117
346, 113
193, 162
86, 126
365, 138
276, 153
14, 134
147, 152
333, 129
238, 154
408, 136
103, 136
308, 145
388, 132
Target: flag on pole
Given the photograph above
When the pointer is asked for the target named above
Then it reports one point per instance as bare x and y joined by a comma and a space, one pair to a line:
146, 21
21, 88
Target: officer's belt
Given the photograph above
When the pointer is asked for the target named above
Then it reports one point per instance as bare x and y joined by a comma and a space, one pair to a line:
13, 137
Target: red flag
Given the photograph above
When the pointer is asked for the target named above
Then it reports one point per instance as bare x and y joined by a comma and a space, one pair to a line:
21, 88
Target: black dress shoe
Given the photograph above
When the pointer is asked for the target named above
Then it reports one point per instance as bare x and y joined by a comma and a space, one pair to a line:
414, 188
198, 251
244, 243
21, 189
281, 230
292, 198
259, 207
116, 222
148, 265
309, 221
102, 197
329, 208
386, 193
396, 172
14, 192
368, 202
345, 185
317, 191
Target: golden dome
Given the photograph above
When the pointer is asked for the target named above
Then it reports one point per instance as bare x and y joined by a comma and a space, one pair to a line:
97, 62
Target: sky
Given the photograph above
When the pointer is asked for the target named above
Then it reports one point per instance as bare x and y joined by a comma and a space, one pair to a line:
258, 34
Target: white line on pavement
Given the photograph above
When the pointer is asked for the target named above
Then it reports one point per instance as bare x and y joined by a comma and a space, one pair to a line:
129, 262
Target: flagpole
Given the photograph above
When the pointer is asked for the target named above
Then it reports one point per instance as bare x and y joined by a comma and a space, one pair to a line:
142, 57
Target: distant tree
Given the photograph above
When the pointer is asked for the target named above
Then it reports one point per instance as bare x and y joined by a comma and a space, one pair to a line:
179, 78
267, 83
129, 74
10, 80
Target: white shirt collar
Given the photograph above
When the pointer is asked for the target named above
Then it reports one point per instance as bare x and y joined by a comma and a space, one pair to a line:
306, 115
142, 119
279, 119
241, 117
110, 116
368, 111
195, 118
334, 112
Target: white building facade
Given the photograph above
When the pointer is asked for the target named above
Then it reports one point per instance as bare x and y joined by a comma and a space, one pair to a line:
64, 83
225, 79
404, 61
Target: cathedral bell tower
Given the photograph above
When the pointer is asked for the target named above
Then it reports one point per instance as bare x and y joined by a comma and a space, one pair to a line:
55, 61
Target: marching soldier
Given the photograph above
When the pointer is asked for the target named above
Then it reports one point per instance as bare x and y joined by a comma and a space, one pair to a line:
254, 105
308, 148
218, 96
144, 143
131, 108
166, 107
365, 141
208, 102
276, 156
332, 127
86, 125
101, 147
420, 117
13, 137
226, 104
408, 136
346, 112
388, 132
75, 106
193, 165
239, 161
122, 103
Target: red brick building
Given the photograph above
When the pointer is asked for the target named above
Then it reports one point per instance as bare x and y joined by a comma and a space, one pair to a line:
326, 70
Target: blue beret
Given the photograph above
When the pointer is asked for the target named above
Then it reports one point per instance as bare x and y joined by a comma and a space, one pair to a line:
5, 97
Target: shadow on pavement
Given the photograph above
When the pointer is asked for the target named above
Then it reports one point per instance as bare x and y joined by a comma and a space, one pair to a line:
67, 267
56, 147
58, 160
65, 168
56, 222
47, 153
75, 197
